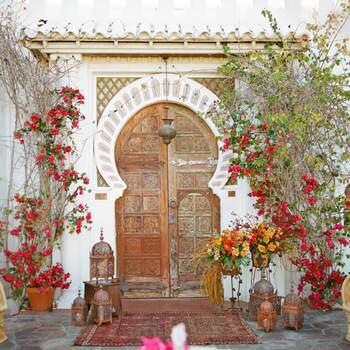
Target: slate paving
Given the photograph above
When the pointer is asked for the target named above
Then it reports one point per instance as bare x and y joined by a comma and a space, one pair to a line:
52, 331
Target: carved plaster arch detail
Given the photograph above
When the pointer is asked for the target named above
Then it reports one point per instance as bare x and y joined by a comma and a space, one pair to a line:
142, 93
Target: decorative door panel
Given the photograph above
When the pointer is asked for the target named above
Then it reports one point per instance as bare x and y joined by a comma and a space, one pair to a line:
142, 231
193, 207
167, 211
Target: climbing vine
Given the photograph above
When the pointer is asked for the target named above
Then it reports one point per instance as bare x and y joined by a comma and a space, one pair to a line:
287, 125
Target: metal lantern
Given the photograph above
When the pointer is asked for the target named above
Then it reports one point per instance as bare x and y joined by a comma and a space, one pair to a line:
102, 305
293, 311
101, 260
167, 132
267, 316
78, 311
263, 290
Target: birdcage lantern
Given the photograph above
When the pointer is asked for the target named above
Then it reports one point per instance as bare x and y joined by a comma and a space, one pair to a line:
102, 306
293, 311
78, 311
101, 260
267, 316
261, 291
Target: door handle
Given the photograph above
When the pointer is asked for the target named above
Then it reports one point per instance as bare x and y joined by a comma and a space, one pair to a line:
172, 202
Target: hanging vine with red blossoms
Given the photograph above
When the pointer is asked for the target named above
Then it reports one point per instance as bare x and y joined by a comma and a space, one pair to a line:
288, 127
49, 205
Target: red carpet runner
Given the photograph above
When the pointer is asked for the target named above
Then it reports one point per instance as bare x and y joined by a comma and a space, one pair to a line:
202, 328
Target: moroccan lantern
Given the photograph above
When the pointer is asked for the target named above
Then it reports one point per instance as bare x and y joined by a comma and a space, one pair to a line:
167, 132
293, 311
101, 260
263, 290
102, 306
78, 311
267, 316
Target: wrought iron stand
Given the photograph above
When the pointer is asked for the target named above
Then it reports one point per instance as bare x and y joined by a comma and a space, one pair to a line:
236, 281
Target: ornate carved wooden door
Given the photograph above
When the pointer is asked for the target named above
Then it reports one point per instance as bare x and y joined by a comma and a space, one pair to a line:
193, 209
167, 210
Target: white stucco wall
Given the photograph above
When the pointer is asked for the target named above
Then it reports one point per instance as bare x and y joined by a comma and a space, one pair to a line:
74, 253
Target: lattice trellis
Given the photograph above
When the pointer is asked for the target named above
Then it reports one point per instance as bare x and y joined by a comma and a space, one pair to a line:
108, 87
213, 84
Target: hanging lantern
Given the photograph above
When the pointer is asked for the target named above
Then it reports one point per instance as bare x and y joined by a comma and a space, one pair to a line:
167, 132
267, 317
101, 260
78, 311
102, 306
293, 311
263, 290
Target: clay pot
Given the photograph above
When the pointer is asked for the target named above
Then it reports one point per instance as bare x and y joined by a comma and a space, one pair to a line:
40, 300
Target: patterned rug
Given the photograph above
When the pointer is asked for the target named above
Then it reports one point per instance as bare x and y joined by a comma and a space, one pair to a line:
202, 328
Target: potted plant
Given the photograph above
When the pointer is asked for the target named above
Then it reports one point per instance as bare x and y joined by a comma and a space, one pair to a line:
224, 254
41, 289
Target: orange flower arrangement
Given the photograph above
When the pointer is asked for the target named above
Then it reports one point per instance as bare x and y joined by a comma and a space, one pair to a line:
225, 254
265, 239
230, 249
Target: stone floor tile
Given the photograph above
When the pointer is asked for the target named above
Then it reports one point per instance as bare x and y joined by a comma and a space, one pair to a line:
7, 345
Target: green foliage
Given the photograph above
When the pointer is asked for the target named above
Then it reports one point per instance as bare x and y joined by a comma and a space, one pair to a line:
298, 86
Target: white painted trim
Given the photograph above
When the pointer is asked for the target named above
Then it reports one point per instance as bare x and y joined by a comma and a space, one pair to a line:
138, 95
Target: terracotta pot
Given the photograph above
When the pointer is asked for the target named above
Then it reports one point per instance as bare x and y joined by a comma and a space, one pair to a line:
260, 260
40, 301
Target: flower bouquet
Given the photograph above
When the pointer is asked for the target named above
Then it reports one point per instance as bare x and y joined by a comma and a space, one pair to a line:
224, 254
264, 242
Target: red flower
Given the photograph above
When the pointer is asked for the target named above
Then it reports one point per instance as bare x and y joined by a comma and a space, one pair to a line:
303, 246
15, 231
88, 218
52, 159
338, 226
308, 189
235, 169
58, 148
35, 118
245, 140
328, 233
270, 149
312, 200
67, 149
330, 243
226, 144
55, 131
343, 241
39, 158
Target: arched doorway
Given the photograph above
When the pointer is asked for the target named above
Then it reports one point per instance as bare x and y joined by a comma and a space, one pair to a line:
167, 210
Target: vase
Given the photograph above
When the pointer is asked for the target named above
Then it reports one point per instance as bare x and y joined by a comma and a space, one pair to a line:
40, 300
260, 260
233, 271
